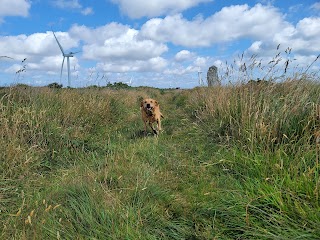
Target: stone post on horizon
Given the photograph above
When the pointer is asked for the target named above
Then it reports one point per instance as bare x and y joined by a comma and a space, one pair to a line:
212, 76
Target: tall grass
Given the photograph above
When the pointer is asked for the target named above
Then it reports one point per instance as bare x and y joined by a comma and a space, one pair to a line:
269, 135
260, 116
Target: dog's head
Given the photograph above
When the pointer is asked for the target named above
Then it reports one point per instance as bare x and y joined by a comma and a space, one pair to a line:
149, 104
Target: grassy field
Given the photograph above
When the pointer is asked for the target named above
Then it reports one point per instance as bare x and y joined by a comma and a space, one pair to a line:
233, 162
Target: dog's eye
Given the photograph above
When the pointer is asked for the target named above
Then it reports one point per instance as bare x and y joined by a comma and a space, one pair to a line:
151, 101
145, 101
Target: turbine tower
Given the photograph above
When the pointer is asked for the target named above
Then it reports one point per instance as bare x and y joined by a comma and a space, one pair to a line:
200, 77
130, 82
65, 55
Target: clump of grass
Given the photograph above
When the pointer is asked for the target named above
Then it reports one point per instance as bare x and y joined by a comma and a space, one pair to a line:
261, 117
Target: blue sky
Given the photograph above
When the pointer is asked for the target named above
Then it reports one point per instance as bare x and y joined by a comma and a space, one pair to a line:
159, 43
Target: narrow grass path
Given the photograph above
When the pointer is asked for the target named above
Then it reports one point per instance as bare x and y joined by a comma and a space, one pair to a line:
161, 185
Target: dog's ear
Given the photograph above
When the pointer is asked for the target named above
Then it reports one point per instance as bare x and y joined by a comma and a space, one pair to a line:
156, 102
141, 104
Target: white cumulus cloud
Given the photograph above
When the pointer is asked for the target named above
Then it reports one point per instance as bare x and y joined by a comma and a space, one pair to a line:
230, 24
116, 41
303, 39
183, 55
14, 8
142, 8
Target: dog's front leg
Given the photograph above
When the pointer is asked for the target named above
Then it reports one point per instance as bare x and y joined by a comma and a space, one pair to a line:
153, 129
159, 125
145, 128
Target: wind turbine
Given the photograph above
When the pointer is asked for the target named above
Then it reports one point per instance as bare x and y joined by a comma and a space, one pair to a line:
65, 55
200, 77
130, 82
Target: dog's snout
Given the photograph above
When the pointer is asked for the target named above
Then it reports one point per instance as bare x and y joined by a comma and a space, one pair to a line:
148, 105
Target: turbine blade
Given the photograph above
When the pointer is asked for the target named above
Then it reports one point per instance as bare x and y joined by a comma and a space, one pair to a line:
75, 52
6, 57
61, 69
58, 43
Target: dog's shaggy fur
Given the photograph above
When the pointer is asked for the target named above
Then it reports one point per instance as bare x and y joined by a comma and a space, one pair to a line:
150, 111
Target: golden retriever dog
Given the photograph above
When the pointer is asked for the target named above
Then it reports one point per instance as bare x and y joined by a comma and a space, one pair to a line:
150, 111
